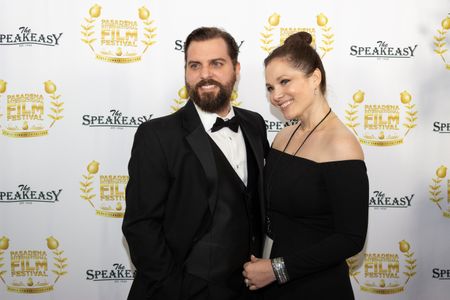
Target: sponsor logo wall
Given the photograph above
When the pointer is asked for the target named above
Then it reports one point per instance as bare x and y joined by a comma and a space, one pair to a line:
77, 79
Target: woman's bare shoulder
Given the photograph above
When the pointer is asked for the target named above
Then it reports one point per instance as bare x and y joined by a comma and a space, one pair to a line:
342, 144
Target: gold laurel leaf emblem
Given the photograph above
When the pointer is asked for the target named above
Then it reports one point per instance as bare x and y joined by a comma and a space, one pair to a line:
273, 21
86, 185
435, 192
439, 41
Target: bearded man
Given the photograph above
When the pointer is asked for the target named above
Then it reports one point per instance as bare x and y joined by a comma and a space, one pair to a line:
194, 200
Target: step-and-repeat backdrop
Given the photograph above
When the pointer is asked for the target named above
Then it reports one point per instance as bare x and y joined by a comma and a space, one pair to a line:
78, 77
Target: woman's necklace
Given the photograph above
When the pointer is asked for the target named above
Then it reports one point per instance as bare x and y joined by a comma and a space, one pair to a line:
309, 134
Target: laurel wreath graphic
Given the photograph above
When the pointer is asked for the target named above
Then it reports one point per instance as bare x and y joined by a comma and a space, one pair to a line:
60, 264
411, 118
410, 265
274, 21
86, 189
440, 41
327, 39
56, 109
351, 115
2, 272
88, 31
435, 191
267, 35
95, 11
149, 34
352, 268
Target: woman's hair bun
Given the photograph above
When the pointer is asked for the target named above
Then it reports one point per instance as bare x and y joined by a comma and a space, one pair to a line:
299, 37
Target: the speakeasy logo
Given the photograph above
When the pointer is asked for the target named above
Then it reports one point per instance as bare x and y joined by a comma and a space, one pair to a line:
439, 189
33, 269
386, 272
379, 199
110, 200
118, 39
271, 37
25, 36
384, 124
29, 113
117, 273
115, 119
26, 194
179, 45
383, 50
183, 96
441, 127
441, 274
276, 126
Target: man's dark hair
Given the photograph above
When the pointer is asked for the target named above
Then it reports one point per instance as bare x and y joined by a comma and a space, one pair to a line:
209, 33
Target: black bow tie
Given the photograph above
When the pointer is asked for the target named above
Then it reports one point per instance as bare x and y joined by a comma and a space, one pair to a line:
232, 123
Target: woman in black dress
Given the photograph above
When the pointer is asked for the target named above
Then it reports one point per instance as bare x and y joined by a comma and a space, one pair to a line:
316, 185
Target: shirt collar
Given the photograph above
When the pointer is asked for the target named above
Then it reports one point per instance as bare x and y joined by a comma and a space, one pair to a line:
208, 119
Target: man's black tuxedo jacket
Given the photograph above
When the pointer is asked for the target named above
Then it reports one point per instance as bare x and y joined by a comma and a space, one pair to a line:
172, 193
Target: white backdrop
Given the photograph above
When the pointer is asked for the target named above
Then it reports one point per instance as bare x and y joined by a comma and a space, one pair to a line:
76, 79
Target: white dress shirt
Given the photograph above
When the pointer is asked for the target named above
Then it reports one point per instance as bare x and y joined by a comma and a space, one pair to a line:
231, 143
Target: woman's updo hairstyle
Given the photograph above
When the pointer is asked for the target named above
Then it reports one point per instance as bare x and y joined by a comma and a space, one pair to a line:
298, 52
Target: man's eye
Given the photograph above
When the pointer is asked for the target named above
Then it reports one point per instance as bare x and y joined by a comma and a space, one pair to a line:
194, 66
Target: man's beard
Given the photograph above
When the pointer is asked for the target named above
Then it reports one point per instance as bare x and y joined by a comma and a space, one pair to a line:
208, 101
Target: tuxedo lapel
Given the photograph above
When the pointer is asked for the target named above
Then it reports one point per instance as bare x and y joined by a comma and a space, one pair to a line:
257, 148
199, 142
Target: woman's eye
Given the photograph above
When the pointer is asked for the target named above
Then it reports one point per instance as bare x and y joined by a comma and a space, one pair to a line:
284, 81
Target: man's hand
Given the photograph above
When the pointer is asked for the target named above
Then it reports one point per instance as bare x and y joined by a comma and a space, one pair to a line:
258, 273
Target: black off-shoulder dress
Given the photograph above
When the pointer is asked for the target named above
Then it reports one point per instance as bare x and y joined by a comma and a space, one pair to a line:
318, 218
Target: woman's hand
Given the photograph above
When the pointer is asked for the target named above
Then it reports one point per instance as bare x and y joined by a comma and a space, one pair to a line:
258, 273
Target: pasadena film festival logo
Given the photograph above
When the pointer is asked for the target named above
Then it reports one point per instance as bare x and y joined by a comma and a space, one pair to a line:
117, 273
115, 119
382, 50
31, 270
437, 191
440, 41
118, 40
383, 124
29, 113
379, 200
384, 273
183, 97
26, 194
105, 192
27, 37
271, 38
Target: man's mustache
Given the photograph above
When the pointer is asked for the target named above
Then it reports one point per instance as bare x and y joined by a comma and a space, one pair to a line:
207, 82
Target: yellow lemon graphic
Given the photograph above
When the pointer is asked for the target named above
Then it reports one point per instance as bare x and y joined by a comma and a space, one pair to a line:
49, 87
183, 93
322, 20
404, 246
2, 86
144, 13
52, 243
95, 11
405, 97
441, 172
358, 97
274, 19
92, 168
4, 243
